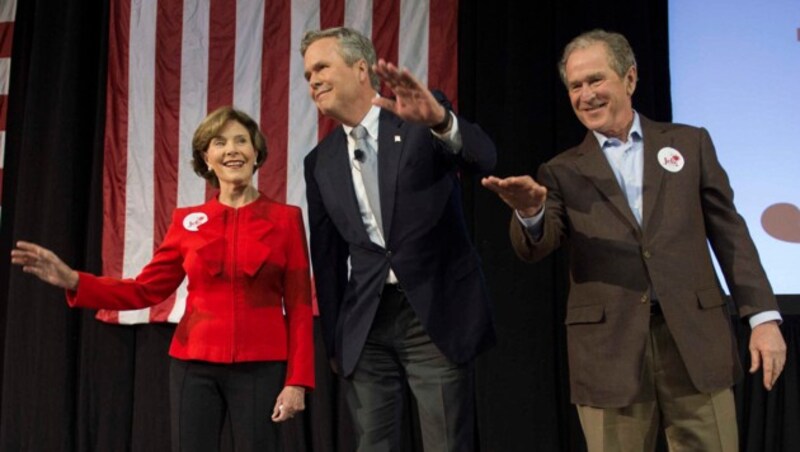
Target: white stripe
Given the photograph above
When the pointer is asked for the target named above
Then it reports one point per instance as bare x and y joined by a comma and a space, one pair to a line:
194, 103
194, 97
358, 16
303, 127
8, 10
5, 71
247, 63
138, 248
180, 302
2, 147
414, 34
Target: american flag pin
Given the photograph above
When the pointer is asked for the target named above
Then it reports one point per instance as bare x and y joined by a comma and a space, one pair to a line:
397, 138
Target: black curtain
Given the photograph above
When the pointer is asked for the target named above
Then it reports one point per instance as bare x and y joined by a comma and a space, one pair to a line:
71, 383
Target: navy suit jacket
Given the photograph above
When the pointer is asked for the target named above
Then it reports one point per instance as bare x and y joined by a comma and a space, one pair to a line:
427, 244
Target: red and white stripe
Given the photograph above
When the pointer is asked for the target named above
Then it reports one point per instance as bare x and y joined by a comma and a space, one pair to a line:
8, 9
173, 61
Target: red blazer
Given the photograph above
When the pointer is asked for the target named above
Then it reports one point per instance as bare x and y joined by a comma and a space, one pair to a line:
249, 291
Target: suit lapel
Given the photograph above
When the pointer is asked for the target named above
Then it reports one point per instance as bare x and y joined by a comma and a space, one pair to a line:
594, 165
654, 140
390, 147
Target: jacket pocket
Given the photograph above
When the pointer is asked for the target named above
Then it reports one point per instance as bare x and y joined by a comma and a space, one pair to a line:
585, 314
709, 298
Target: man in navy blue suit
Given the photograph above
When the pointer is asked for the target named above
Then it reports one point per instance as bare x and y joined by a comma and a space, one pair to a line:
383, 191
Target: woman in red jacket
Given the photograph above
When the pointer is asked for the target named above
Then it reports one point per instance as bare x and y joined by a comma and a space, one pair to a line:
244, 347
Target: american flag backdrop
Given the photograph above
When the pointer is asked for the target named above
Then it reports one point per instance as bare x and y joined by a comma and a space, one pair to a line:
173, 61
8, 10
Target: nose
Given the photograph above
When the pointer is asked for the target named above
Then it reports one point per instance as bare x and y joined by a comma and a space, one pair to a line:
313, 80
587, 93
230, 147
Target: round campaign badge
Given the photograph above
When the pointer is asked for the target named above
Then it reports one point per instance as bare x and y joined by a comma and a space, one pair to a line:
670, 159
193, 221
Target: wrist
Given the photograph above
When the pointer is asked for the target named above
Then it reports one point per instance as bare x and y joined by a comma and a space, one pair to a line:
74, 278
445, 124
529, 212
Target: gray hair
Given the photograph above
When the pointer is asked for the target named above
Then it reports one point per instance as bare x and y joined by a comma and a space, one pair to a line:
620, 53
353, 46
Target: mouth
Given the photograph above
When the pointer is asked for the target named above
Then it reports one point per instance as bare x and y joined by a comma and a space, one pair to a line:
234, 164
318, 95
591, 108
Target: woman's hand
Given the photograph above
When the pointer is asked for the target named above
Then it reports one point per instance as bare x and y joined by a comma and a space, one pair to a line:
45, 264
290, 401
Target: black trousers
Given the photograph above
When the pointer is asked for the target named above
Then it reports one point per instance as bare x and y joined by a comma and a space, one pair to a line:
203, 395
399, 354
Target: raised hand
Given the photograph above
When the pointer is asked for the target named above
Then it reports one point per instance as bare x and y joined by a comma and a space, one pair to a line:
45, 264
521, 193
413, 101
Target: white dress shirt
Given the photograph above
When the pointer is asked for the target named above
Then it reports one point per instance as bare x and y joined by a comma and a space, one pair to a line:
371, 122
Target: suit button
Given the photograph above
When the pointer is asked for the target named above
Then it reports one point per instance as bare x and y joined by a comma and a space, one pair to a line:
646, 254
644, 298
388, 254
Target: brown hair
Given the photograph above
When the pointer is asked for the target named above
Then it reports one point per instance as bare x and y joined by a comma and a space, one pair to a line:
211, 126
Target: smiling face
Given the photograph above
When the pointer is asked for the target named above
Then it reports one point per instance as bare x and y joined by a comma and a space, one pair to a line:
231, 155
600, 97
339, 90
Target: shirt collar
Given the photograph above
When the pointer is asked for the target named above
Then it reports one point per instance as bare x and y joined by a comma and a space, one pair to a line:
635, 134
370, 122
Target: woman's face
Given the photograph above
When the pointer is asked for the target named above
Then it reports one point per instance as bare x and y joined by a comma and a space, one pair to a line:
231, 155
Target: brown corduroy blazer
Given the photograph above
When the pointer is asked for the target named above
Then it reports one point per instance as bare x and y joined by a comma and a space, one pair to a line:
614, 263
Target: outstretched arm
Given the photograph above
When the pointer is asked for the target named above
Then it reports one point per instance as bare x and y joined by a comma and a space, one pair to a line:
521, 193
45, 264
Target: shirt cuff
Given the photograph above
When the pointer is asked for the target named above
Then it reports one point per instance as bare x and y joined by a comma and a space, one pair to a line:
452, 138
764, 317
532, 224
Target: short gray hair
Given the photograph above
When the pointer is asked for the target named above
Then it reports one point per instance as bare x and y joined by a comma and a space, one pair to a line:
353, 46
620, 53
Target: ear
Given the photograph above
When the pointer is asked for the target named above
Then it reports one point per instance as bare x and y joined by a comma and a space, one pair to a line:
363, 70
630, 81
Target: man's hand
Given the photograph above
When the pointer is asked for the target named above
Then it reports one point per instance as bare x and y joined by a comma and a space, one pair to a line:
289, 402
413, 102
767, 350
521, 193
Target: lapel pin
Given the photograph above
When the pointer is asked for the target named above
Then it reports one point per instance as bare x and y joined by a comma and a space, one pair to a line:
397, 138
670, 159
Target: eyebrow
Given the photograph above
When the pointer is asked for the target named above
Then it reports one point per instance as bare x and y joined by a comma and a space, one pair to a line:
314, 68
221, 137
588, 77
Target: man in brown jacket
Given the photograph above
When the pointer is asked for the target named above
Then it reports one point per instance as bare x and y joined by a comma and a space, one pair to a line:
648, 330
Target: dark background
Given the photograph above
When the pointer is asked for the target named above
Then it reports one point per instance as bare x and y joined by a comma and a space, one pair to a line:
71, 383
